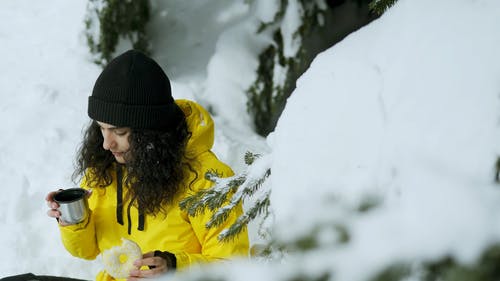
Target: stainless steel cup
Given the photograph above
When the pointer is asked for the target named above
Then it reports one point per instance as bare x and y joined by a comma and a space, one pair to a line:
73, 205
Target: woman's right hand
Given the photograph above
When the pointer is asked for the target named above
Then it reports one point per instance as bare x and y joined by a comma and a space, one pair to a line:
53, 211
53, 205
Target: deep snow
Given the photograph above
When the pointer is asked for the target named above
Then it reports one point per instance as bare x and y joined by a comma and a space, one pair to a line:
406, 111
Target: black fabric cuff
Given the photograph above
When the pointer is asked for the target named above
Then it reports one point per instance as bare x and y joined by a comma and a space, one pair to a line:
169, 257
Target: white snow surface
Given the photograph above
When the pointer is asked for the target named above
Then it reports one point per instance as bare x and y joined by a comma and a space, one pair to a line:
404, 111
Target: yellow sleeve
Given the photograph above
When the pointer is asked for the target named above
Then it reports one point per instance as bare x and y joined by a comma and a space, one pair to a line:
212, 248
80, 240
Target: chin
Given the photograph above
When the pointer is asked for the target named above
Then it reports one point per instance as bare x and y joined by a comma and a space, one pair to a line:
120, 160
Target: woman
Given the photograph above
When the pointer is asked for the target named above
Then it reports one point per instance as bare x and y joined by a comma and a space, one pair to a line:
141, 155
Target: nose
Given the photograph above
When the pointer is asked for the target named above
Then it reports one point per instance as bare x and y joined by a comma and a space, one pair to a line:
108, 142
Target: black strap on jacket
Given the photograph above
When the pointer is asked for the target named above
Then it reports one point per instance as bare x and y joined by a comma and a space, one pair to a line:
119, 195
119, 204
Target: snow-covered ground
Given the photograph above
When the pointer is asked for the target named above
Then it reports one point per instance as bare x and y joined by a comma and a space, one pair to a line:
405, 112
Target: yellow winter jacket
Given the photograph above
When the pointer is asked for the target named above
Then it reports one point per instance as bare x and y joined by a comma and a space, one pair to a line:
176, 232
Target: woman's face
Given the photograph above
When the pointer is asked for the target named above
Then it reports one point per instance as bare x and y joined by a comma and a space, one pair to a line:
115, 140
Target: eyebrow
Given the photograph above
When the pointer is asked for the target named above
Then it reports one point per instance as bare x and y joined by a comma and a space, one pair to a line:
113, 128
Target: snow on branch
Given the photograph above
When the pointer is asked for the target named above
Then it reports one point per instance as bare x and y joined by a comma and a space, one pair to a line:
228, 193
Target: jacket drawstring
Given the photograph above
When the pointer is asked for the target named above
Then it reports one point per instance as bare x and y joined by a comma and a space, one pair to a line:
119, 195
141, 219
129, 219
119, 205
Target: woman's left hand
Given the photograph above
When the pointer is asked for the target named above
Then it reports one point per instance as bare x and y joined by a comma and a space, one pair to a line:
157, 265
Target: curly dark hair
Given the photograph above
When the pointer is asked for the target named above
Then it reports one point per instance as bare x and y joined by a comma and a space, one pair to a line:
156, 164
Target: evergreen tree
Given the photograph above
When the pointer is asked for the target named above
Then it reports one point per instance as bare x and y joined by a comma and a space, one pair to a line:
243, 186
108, 21
380, 6
281, 62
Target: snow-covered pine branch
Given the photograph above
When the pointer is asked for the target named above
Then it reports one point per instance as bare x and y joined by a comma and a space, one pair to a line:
227, 193
109, 23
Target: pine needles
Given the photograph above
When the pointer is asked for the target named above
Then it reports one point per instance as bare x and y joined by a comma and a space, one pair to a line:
228, 193
380, 6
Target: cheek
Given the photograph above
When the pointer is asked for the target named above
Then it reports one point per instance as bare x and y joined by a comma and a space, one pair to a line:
124, 144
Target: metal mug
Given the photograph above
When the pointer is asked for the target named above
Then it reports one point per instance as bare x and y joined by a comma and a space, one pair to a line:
73, 205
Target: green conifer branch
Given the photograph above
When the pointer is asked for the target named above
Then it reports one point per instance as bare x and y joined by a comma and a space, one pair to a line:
213, 198
219, 217
277, 17
252, 188
247, 189
250, 157
107, 21
267, 95
227, 194
193, 204
380, 6
260, 207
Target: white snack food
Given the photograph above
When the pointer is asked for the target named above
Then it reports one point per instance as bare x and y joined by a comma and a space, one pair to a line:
119, 260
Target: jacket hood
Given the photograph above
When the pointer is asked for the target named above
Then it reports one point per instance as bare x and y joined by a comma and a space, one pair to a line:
200, 125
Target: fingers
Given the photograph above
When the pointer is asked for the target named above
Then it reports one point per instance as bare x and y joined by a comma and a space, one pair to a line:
148, 255
53, 212
157, 266
50, 196
53, 205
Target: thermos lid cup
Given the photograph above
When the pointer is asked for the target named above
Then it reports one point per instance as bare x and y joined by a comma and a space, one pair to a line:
72, 205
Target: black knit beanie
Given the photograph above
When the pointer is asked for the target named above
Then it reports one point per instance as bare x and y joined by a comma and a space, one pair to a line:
133, 91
